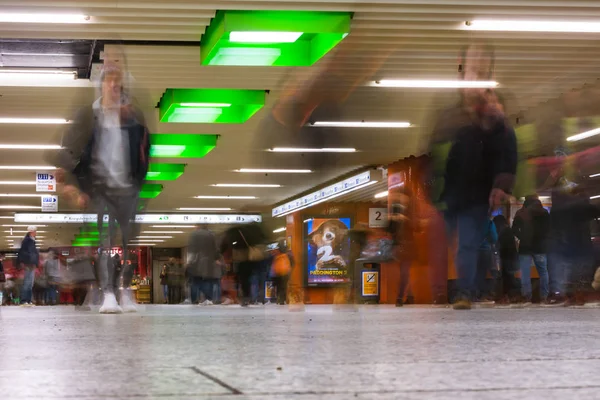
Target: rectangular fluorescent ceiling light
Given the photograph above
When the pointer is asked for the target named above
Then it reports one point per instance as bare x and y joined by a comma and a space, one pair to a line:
22, 226
147, 241
18, 183
246, 185
141, 244
27, 167
20, 208
264, 37
381, 195
246, 56
165, 232
226, 197
39, 18
595, 197
20, 195
30, 146
532, 26
13, 232
47, 121
154, 237
594, 176
305, 150
274, 171
170, 226
279, 230
584, 135
204, 209
360, 124
434, 84
219, 105
328, 193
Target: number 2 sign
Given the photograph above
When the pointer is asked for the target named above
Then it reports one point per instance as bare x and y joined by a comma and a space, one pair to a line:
378, 217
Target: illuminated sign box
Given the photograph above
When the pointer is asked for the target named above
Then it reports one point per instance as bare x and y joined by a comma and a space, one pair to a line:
330, 192
150, 190
164, 172
166, 219
169, 145
272, 38
210, 106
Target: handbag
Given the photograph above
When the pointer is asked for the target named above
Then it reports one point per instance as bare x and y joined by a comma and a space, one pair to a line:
255, 253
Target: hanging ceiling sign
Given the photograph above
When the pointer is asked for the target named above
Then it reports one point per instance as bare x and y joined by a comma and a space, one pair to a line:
142, 218
330, 192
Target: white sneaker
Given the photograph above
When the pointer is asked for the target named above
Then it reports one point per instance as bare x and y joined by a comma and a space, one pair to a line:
207, 303
227, 302
127, 302
110, 305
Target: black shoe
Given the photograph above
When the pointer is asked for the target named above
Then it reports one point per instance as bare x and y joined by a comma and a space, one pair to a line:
399, 303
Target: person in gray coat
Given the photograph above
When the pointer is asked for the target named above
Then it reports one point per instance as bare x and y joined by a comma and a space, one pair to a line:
203, 264
52, 271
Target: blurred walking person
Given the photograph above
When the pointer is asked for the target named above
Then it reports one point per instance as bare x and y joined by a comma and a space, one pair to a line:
163, 283
28, 259
52, 271
203, 266
507, 248
281, 269
103, 162
474, 155
532, 226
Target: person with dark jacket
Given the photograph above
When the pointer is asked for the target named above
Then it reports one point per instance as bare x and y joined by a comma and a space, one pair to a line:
507, 249
28, 259
571, 244
531, 226
103, 163
175, 281
203, 266
247, 243
474, 156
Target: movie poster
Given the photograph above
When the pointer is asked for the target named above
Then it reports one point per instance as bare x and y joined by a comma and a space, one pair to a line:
328, 250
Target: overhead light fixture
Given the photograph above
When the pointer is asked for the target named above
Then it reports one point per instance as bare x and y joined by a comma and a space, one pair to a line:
17, 183
27, 167
7, 217
36, 75
22, 226
595, 197
584, 135
30, 147
141, 244
20, 208
264, 37
47, 121
165, 232
225, 197
305, 150
532, 26
13, 232
21, 237
279, 230
154, 237
594, 175
147, 240
246, 185
381, 195
20, 195
44, 18
328, 193
359, 124
434, 84
274, 171
218, 105
204, 209
170, 226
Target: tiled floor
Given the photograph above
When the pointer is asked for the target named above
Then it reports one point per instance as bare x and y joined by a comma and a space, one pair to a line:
377, 352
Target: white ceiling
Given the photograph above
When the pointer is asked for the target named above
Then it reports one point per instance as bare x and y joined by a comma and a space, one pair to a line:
398, 39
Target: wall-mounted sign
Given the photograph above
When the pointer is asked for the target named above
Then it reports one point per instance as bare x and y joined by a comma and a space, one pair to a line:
378, 217
49, 203
45, 182
328, 193
142, 218
370, 283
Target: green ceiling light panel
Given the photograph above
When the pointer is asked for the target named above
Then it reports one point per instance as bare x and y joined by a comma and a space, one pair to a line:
272, 38
164, 172
168, 145
210, 106
150, 190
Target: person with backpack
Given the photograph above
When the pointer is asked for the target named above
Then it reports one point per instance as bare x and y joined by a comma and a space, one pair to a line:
102, 163
281, 269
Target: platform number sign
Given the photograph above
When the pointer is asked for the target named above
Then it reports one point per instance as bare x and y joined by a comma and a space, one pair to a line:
378, 217
49, 203
45, 182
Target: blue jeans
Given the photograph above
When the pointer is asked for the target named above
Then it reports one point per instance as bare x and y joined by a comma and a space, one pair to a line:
259, 279
52, 295
165, 289
470, 227
28, 279
541, 264
206, 286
